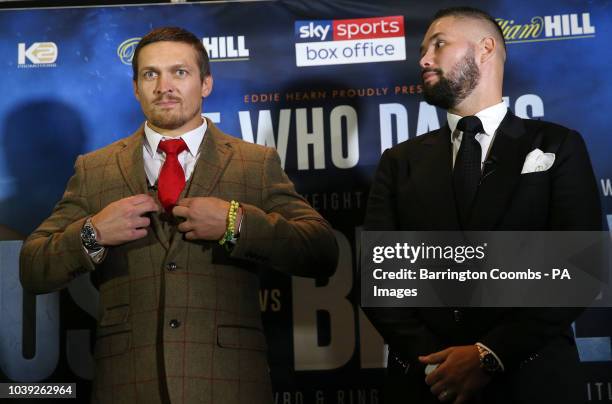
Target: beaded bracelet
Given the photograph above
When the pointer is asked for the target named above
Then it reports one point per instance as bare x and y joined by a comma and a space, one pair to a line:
231, 222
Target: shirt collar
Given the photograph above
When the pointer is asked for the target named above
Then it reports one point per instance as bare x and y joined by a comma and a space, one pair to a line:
490, 117
193, 138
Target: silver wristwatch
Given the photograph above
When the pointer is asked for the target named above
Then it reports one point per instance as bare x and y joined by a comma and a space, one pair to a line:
88, 237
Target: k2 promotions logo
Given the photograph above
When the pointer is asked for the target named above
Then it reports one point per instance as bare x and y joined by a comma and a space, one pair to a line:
38, 54
361, 40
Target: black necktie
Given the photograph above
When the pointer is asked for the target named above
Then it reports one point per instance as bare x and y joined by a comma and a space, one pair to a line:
466, 174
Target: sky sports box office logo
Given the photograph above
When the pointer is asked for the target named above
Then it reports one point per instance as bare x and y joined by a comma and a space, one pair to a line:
361, 40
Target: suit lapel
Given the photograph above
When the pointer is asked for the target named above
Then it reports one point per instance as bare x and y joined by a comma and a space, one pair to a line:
215, 155
131, 165
432, 178
501, 173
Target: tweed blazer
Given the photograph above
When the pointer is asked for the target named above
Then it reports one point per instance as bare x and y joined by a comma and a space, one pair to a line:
179, 321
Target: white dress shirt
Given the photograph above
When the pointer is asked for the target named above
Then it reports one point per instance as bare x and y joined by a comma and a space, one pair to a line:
490, 117
154, 159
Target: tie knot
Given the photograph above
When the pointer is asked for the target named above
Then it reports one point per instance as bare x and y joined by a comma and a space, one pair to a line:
470, 124
173, 146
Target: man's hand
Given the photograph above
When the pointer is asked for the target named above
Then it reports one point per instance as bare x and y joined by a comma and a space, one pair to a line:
205, 217
458, 377
122, 221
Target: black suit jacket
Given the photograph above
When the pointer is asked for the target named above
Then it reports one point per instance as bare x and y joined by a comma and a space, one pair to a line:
412, 190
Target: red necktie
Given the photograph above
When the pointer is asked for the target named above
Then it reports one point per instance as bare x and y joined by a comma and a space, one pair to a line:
171, 179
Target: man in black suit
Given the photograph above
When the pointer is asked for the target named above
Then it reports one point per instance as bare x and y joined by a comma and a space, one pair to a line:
486, 169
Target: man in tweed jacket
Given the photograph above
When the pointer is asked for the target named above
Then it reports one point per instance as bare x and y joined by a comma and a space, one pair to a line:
179, 315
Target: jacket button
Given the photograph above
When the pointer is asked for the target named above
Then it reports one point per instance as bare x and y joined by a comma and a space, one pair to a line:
457, 314
171, 267
174, 324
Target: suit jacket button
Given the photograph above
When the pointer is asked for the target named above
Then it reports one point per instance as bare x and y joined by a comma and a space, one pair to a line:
174, 324
457, 314
171, 267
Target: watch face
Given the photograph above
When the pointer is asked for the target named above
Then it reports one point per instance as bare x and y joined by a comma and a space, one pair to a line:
88, 236
489, 362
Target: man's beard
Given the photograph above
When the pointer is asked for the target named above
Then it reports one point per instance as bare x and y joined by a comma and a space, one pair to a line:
449, 91
170, 120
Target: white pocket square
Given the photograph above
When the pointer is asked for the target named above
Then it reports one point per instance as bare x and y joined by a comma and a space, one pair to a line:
537, 161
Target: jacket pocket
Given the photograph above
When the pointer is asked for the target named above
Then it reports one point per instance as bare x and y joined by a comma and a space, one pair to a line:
241, 337
114, 315
535, 177
114, 334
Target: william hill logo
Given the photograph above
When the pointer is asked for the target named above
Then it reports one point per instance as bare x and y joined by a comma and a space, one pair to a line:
38, 54
125, 50
219, 48
226, 48
548, 28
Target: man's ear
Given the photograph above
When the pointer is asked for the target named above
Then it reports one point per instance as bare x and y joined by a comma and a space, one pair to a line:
136, 94
207, 85
488, 47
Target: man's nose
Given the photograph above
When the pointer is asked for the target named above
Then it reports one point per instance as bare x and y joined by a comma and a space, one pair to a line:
164, 84
426, 60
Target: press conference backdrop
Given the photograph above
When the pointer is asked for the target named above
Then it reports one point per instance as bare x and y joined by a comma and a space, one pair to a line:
330, 85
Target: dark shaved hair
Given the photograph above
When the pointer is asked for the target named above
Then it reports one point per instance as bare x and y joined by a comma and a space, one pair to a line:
173, 34
474, 13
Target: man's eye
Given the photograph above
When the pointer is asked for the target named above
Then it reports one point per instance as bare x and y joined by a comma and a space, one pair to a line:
149, 75
439, 44
181, 72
